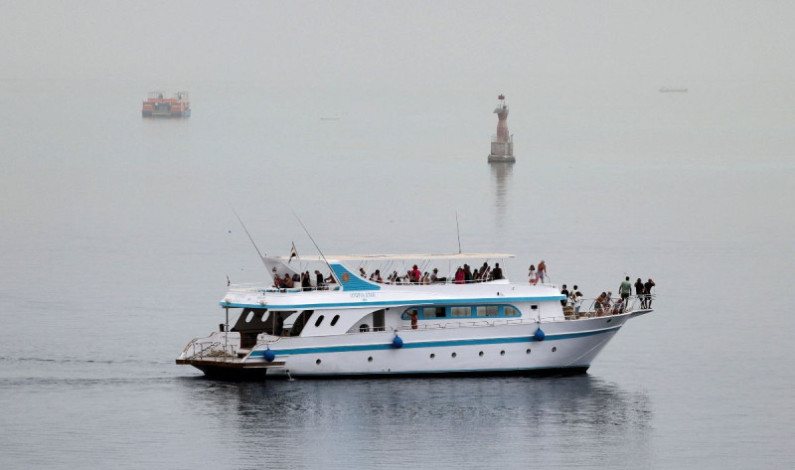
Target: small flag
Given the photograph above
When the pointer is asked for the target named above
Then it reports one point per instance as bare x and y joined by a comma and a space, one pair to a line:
293, 254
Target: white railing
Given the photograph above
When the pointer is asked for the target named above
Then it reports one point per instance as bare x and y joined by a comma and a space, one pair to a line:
613, 306
215, 350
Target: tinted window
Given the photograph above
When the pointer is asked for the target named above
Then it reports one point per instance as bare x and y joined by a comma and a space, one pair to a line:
488, 311
510, 312
433, 312
461, 311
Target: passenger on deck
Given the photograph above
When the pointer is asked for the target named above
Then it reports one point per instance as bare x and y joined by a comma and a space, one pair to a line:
532, 275
467, 274
362, 273
647, 292
415, 275
306, 283
426, 279
599, 303
577, 301
496, 273
287, 282
573, 294
542, 271
330, 279
319, 279
277, 282
413, 317
625, 290
639, 291
608, 305
476, 275
565, 292
393, 278
459, 276
376, 276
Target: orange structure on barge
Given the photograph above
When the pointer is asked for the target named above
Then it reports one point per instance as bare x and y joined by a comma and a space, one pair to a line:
158, 106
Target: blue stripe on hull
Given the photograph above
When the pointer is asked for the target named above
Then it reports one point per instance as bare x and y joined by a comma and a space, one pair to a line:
430, 344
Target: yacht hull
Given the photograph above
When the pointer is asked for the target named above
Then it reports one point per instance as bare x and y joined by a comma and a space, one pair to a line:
567, 348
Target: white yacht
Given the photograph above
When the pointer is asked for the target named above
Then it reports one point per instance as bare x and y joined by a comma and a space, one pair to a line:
344, 324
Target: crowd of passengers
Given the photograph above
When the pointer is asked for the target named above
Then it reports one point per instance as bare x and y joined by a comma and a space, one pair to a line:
303, 280
463, 275
606, 303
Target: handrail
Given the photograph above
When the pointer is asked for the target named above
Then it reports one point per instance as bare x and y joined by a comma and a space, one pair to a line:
613, 305
250, 288
215, 350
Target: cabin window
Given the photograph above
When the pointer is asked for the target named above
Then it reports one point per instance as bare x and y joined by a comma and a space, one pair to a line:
334, 320
319, 321
488, 310
433, 312
461, 311
509, 311
534, 307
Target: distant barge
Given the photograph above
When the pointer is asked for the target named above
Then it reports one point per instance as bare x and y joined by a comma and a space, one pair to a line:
158, 106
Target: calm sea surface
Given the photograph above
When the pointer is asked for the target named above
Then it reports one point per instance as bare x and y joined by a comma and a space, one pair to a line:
117, 234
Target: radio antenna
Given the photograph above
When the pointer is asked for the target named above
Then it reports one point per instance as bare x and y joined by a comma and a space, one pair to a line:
457, 232
313, 240
261, 258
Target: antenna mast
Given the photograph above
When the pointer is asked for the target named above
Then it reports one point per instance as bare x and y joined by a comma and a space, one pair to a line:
457, 232
261, 258
313, 240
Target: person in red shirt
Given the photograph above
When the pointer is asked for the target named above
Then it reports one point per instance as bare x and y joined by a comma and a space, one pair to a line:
415, 275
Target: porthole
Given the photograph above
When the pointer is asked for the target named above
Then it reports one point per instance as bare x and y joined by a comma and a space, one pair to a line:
527, 352
433, 355
554, 348
453, 355
319, 320
534, 307
370, 359
334, 320
502, 353
317, 362
480, 354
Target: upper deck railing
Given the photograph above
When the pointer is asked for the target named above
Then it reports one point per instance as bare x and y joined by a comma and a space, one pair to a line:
250, 288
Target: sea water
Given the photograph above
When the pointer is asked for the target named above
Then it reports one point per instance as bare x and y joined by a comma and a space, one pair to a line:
118, 233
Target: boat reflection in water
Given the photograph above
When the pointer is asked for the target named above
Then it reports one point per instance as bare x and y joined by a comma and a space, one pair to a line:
578, 419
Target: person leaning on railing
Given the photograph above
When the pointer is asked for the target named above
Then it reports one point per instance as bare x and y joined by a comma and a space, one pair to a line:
647, 287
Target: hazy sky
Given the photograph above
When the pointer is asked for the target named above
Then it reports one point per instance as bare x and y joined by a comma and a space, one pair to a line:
402, 45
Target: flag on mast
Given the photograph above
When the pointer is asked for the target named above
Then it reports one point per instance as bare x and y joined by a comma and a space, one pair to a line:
293, 254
